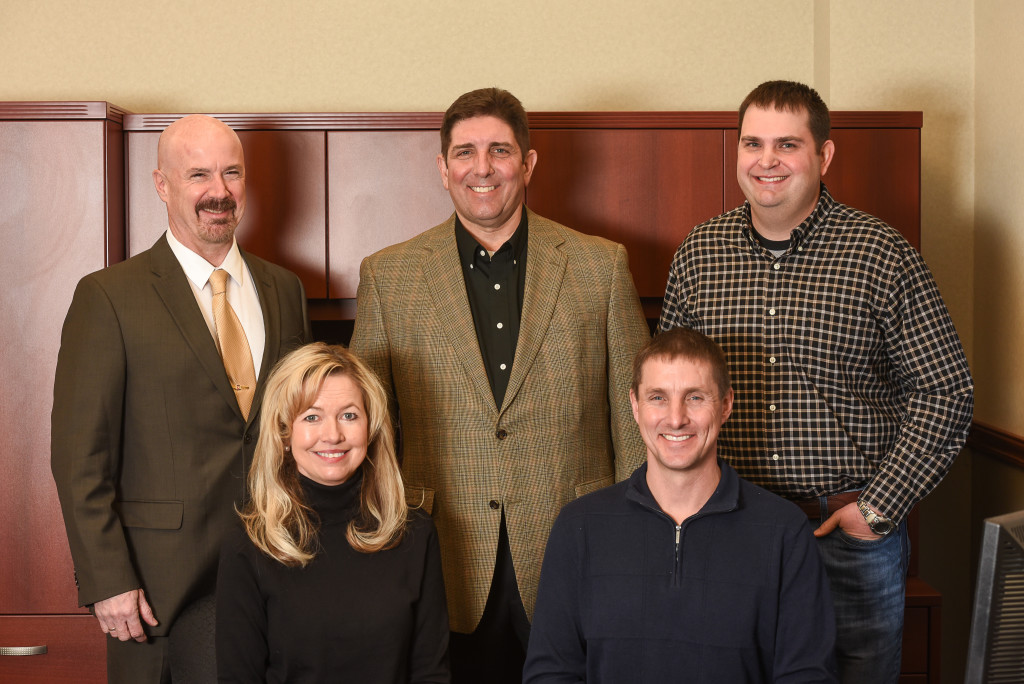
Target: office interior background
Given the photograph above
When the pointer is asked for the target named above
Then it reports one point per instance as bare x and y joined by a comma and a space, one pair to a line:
957, 61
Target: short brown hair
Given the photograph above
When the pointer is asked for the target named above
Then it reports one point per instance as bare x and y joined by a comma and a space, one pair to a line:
794, 97
688, 344
495, 102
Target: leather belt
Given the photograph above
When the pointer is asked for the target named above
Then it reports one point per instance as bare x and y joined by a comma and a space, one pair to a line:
812, 507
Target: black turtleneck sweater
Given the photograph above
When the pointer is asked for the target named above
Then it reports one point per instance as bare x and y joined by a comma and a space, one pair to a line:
346, 617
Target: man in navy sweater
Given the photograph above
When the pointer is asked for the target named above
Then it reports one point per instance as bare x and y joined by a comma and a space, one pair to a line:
684, 572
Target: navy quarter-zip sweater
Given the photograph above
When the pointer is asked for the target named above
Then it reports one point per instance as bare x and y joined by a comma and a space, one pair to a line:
736, 593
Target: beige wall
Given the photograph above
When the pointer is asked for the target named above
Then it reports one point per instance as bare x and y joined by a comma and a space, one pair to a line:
999, 216
956, 60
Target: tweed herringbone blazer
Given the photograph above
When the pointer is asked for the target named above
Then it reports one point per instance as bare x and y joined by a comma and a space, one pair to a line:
565, 428
149, 447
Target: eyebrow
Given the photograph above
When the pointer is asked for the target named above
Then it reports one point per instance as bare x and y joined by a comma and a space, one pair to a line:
470, 146
782, 139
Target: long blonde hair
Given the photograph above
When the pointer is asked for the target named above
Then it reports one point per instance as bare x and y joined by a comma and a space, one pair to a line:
277, 518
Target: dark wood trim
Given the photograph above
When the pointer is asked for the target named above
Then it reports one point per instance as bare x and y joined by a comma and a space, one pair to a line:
360, 121
44, 111
992, 441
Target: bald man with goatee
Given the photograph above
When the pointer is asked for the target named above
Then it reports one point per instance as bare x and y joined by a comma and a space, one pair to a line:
151, 430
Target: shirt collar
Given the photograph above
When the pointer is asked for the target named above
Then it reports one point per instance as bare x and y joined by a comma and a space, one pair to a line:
469, 248
807, 228
198, 270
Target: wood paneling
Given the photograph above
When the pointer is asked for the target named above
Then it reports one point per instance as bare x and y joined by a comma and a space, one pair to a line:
997, 443
384, 188
75, 650
643, 188
286, 201
53, 219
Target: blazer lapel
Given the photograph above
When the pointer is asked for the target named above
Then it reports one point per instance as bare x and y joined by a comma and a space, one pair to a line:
270, 304
446, 285
545, 268
172, 287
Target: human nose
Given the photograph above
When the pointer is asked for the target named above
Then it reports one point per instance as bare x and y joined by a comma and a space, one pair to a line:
677, 414
768, 159
482, 164
330, 432
218, 186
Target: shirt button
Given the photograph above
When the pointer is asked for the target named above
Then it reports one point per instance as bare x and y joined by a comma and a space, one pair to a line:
502, 366
497, 286
771, 359
776, 266
771, 407
500, 326
483, 253
494, 505
775, 457
501, 434
771, 312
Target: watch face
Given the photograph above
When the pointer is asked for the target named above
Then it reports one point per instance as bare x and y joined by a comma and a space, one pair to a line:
882, 527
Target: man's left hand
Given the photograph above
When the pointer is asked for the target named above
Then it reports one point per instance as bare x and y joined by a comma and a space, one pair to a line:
849, 520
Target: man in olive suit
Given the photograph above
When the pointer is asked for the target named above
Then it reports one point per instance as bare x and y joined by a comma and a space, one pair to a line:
508, 341
150, 435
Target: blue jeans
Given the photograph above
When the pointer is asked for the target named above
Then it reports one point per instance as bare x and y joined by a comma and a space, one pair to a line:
868, 580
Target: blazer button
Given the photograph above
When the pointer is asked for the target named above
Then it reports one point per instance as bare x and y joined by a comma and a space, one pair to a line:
248, 439
501, 434
494, 505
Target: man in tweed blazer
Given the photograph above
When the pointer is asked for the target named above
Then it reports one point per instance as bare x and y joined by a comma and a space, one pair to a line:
508, 341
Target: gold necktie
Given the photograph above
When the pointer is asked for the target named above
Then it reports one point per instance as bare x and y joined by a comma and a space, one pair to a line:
234, 347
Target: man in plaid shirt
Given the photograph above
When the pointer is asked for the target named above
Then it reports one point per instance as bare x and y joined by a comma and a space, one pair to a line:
853, 395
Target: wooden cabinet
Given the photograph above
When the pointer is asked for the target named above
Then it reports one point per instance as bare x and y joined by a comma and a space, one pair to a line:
323, 192
61, 216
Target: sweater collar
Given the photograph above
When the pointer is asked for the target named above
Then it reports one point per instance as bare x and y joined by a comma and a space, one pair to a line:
333, 502
725, 498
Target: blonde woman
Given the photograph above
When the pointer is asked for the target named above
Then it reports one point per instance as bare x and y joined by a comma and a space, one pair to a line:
333, 579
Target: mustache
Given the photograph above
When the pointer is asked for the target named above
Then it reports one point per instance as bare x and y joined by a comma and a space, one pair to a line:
216, 205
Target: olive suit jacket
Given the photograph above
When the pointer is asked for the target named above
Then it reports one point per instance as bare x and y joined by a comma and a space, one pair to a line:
565, 427
149, 448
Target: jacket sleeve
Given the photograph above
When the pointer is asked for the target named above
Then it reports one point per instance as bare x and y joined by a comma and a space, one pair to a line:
241, 626
370, 337
627, 332
428, 658
85, 442
806, 632
557, 652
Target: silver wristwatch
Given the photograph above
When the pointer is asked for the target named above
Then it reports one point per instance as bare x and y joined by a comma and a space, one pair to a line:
879, 524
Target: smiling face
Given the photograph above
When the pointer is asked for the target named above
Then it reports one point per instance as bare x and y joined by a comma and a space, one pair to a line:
680, 411
779, 169
201, 179
329, 439
486, 175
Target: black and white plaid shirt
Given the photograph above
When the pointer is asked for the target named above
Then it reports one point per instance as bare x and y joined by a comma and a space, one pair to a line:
847, 369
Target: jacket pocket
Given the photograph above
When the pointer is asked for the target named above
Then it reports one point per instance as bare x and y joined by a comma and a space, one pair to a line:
594, 485
156, 515
419, 497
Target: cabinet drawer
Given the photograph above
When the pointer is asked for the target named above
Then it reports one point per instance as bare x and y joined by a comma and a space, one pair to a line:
75, 649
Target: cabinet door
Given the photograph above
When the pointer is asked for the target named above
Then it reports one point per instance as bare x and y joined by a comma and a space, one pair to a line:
53, 218
384, 189
286, 201
643, 188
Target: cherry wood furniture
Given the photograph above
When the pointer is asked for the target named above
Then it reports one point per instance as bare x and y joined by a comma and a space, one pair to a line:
324, 191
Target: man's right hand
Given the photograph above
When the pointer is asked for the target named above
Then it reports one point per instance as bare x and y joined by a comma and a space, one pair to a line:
119, 616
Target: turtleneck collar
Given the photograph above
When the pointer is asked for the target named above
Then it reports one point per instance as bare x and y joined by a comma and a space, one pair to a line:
333, 503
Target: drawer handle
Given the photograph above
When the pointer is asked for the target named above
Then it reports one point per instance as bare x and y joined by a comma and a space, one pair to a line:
22, 650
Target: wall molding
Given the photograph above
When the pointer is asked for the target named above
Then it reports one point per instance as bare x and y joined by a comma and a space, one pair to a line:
997, 443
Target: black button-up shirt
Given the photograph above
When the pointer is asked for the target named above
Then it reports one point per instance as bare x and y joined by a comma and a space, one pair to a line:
495, 285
